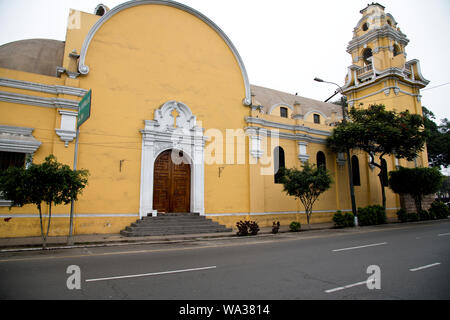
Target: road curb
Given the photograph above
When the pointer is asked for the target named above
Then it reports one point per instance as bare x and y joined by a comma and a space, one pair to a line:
198, 237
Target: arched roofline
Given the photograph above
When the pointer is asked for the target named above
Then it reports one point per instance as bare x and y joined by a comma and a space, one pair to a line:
281, 104
84, 69
315, 111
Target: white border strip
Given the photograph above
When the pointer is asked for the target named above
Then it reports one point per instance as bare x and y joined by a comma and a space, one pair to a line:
346, 287
151, 274
425, 267
359, 247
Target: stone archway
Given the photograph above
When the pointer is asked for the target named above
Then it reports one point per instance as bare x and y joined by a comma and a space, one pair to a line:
173, 127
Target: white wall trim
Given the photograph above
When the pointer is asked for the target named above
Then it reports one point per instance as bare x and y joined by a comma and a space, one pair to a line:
40, 87
18, 139
38, 101
279, 125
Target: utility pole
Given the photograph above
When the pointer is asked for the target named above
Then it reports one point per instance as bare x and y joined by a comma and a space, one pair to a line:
347, 151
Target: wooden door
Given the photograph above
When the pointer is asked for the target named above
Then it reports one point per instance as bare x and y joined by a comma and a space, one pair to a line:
172, 185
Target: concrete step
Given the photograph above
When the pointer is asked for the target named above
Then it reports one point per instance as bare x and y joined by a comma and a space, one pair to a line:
194, 229
172, 224
168, 232
173, 218
142, 224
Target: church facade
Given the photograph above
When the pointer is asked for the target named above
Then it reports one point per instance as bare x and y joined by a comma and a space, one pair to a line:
176, 126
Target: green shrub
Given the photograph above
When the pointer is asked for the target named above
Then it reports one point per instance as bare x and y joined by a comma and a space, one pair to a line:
343, 220
371, 215
294, 226
423, 215
413, 217
402, 215
439, 210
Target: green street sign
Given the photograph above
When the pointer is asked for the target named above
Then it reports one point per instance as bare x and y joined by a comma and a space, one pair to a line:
84, 109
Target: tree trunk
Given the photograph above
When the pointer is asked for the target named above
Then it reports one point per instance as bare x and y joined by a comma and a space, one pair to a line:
307, 219
418, 203
49, 220
383, 191
380, 177
42, 227
308, 216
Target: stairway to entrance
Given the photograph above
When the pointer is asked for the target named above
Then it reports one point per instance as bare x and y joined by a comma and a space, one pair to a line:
173, 224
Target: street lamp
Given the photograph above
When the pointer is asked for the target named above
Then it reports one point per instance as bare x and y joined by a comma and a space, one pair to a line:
349, 163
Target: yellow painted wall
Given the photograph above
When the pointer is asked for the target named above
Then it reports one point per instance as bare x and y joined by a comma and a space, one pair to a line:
133, 71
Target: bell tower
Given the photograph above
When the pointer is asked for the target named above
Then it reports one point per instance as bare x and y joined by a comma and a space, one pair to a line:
380, 72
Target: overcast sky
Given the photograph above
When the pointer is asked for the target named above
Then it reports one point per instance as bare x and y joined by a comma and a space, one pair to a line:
285, 43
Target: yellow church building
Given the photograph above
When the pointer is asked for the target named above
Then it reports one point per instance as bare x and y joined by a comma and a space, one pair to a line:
176, 126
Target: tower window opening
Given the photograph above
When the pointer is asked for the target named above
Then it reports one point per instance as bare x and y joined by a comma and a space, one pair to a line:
367, 54
396, 50
365, 26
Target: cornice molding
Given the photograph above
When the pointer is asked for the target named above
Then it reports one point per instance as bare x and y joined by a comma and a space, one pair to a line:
84, 68
39, 87
38, 101
385, 31
18, 139
277, 125
284, 135
388, 73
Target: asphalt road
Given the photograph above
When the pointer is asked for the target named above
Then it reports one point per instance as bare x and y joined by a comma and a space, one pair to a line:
412, 261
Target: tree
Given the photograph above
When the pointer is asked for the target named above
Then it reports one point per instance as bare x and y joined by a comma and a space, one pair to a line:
50, 182
444, 190
438, 140
380, 133
306, 185
417, 182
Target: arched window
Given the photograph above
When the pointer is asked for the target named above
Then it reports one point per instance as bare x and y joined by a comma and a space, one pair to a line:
316, 118
355, 171
283, 112
278, 158
367, 54
384, 173
321, 160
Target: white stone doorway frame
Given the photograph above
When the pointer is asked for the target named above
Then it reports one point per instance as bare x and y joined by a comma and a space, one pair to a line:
173, 127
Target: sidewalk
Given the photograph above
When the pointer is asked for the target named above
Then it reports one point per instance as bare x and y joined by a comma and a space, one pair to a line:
90, 240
